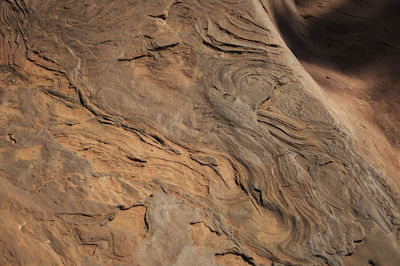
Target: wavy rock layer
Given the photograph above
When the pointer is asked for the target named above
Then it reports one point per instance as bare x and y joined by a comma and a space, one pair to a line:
176, 133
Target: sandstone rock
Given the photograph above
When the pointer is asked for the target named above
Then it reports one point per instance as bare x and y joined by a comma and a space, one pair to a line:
198, 133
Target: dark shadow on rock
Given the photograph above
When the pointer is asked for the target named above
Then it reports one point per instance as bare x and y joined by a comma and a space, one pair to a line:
359, 38
348, 36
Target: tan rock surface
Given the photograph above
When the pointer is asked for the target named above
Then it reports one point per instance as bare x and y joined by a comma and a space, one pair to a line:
188, 133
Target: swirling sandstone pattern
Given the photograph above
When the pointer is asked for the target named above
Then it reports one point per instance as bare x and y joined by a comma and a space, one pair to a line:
175, 133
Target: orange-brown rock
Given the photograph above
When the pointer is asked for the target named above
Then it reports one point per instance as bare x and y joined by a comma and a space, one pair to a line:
199, 132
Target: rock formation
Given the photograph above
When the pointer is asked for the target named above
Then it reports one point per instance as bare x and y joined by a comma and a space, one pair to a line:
199, 132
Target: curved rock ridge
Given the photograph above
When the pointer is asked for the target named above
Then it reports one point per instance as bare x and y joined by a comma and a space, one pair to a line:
177, 133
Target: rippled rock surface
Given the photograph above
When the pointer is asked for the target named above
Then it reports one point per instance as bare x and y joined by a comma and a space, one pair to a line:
179, 133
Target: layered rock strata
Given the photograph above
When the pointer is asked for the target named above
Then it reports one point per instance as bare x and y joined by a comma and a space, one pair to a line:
176, 133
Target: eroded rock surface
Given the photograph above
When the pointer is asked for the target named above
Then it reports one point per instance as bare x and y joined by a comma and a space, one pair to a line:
177, 133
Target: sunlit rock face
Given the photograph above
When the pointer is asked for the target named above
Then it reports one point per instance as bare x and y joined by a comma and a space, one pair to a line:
193, 132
